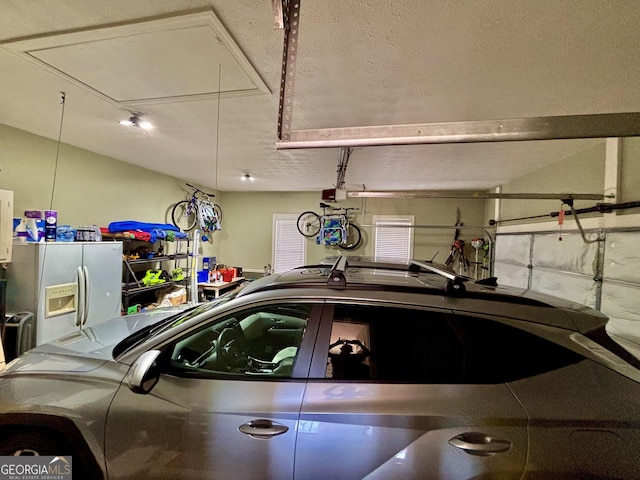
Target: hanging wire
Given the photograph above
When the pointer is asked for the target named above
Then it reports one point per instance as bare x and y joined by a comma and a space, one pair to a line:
55, 168
53, 189
218, 126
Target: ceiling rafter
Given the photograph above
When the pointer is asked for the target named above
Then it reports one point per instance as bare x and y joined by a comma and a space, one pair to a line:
536, 128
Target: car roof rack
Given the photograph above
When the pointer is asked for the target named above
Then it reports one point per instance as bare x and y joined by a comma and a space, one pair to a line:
336, 276
454, 284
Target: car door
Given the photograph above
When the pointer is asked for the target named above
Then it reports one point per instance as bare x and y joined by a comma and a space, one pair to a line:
584, 416
410, 409
226, 404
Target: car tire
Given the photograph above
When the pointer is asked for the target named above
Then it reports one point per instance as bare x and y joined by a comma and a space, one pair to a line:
28, 441
31, 442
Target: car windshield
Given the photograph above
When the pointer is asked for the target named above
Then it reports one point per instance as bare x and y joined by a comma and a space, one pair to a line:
169, 323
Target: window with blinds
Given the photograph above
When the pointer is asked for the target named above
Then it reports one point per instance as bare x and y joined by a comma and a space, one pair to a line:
393, 237
289, 246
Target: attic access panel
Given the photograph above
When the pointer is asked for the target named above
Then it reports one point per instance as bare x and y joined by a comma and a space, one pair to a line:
164, 60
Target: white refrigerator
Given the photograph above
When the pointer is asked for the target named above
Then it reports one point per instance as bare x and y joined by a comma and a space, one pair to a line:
67, 286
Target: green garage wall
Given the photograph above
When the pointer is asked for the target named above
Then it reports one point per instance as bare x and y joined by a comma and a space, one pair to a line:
248, 217
94, 189
630, 172
579, 173
87, 188
583, 172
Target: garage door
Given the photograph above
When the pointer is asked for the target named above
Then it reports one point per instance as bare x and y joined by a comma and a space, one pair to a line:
621, 282
604, 275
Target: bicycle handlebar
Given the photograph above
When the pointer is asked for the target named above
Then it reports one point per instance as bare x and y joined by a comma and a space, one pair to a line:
198, 190
346, 209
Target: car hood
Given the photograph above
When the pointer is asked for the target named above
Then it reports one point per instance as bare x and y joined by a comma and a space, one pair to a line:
88, 348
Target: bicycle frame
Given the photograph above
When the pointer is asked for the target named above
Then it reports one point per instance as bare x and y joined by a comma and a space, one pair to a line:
197, 210
332, 229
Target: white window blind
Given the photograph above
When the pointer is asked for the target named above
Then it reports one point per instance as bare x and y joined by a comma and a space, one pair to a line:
395, 240
289, 246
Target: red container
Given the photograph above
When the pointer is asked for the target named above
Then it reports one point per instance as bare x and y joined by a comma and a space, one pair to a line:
227, 275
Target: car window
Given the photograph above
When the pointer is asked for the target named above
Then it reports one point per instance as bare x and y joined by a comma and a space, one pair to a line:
261, 341
169, 323
410, 345
496, 352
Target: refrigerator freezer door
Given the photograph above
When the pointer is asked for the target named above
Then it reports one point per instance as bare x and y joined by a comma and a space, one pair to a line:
103, 271
81, 302
87, 295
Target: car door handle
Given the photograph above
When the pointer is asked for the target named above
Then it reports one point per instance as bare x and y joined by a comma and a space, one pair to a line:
477, 443
262, 428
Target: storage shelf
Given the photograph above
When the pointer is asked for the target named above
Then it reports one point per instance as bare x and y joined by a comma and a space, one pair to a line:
134, 291
161, 258
133, 288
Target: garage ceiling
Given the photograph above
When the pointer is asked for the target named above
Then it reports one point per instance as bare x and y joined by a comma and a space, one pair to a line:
207, 75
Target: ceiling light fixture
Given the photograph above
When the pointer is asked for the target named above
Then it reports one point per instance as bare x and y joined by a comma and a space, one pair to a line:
135, 121
247, 178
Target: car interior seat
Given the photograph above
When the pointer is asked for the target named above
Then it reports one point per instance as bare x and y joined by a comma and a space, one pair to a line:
284, 353
284, 360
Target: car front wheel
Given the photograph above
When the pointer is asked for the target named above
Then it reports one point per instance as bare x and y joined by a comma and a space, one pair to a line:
30, 442
33, 442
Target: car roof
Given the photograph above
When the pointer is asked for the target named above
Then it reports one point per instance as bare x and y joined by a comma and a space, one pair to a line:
426, 283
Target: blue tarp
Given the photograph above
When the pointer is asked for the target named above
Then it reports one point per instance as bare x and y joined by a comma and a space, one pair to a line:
158, 231
126, 225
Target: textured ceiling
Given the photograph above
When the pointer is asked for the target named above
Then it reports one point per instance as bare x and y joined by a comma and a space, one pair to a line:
359, 63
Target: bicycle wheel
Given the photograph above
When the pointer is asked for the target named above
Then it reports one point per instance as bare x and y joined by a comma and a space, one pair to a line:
184, 216
309, 224
354, 237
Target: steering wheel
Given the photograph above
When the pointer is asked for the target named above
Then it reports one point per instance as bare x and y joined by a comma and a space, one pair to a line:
231, 349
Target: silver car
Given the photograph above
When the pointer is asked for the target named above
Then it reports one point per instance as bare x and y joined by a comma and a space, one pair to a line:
345, 371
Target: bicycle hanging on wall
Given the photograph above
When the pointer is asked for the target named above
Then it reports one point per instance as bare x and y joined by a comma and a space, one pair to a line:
197, 210
334, 228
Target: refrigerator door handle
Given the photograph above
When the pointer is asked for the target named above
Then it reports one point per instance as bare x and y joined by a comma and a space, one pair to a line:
86, 295
80, 298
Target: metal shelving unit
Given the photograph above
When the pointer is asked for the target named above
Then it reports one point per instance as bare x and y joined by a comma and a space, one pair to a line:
132, 285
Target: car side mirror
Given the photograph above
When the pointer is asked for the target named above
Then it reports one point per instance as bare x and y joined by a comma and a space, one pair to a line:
143, 374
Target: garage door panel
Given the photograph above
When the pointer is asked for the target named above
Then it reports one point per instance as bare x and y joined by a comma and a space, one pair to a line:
622, 257
513, 248
621, 303
510, 274
576, 288
570, 254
